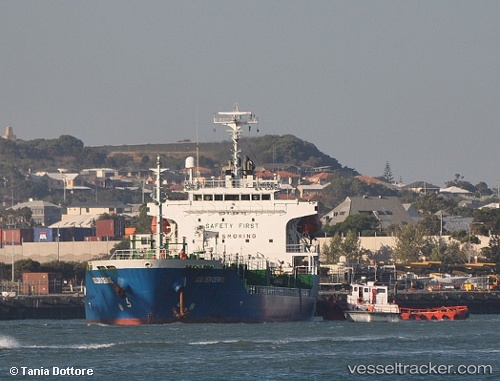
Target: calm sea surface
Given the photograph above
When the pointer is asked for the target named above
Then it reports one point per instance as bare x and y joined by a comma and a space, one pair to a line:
328, 350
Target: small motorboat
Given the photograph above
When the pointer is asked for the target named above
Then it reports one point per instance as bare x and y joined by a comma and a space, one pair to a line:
370, 303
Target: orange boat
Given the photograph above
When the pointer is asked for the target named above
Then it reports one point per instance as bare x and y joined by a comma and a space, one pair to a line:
437, 313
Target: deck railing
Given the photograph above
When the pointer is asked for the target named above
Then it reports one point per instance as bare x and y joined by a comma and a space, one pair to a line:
280, 291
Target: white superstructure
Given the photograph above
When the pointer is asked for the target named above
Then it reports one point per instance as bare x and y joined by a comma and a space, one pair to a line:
239, 217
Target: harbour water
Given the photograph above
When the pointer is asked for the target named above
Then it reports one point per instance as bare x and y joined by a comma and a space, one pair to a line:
320, 350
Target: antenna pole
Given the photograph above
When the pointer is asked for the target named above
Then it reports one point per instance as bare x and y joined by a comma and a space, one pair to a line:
158, 202
235, 120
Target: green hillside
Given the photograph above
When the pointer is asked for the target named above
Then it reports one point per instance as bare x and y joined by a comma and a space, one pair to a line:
70, 152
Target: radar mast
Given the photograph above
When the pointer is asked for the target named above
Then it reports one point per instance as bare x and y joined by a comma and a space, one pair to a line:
235, 120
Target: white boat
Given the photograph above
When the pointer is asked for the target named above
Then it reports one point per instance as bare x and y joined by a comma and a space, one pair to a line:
363, 316
370, 303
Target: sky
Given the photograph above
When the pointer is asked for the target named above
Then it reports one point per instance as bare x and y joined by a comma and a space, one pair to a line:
412, 83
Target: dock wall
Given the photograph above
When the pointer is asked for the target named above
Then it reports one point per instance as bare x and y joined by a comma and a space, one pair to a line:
73, 251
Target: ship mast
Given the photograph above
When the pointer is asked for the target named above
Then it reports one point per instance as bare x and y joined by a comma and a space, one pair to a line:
158, 202
235, 120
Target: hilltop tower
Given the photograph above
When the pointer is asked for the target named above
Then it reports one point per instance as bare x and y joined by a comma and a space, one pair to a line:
9, 133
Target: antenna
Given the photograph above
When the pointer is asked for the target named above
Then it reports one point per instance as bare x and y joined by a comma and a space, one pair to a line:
235, 120
158, 202
197, 147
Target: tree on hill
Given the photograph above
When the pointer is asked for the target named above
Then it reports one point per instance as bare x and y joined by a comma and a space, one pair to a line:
16, 219
447, 253
431, 203
431, 225
348, 245
387, 176
69, 270
286, 149
360, 223
142, 222
461, 183
410, 244
333, 249
492, 251
489, 220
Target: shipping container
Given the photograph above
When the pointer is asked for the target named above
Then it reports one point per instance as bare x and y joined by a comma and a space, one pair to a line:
129, 231
42, 283
81, 233
71, 234
110, 229
64, 234
44, 235
105, 229
16, 236
27, 235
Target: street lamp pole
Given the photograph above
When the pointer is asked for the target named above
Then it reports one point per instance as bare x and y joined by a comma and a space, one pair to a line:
58, 240
63, 171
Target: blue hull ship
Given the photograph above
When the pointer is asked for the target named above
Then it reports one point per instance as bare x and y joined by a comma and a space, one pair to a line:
210, 295
233, 251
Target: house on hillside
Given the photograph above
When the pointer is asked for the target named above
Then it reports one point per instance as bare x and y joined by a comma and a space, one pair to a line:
320, 178
455, 223
306, 191
70, 182
43, 213
277, 167
422, 187
388, 210
454, 191
97, 208
373, 180
492, 205
99, 177
134, 172
290, 178
101, 173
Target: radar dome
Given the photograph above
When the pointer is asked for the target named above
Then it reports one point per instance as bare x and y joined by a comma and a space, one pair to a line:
189, 162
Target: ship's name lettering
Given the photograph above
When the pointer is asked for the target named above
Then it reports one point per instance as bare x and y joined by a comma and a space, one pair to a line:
102, 280
228, 225
210, 279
